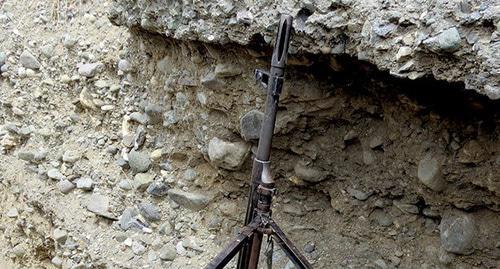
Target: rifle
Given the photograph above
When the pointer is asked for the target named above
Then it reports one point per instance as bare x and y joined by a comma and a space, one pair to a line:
258, 219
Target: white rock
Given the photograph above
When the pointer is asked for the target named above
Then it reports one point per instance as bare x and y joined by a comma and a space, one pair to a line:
227, 155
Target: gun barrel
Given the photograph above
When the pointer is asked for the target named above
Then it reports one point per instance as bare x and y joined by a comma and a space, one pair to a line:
248, 257
280, 51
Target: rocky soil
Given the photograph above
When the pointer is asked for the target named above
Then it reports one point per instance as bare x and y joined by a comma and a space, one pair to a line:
128, 149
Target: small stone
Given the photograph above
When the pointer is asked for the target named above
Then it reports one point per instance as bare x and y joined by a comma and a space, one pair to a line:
122, 163
19, 250
3, 58
57, 261
69, 41
403, 52
308, 173
65, 186
212, 82
85, 183
156, 154
179, 248
125, 185
381, 217
59, 236
190, 174
86, 99
124, 66
168, 253
381, 264
458, 232
102, 84
193, 201
29, 61
472, 153
294, 210
128, 220
149, 211
107, 107
244, 16
158, 189
187, 80
70, 157
406, 208
170, 118
26, 156
90, 70
139, 118
309, 247
227, 70
429, 173
112, 149
351, 135
384, 30
99, 205
227, 155
165, 229
138, 248
139, 161
47, 50
250, 124
362, 196
155, 113
202, 98
55, 174
447, 41
12, 213
376, 142
368, 157
142, 181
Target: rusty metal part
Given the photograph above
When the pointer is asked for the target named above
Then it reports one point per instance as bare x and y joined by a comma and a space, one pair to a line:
288, 247
233, 247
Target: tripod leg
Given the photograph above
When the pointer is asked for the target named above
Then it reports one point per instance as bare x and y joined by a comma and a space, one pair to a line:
223, 258
290, 249
269, 252
256, 244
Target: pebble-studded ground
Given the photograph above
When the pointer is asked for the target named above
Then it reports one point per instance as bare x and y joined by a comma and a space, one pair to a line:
84, 182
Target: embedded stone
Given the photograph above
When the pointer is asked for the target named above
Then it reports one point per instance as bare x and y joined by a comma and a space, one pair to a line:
250, 124
429, 173
227, 155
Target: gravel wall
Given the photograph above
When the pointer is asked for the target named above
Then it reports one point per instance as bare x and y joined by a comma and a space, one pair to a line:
455, 41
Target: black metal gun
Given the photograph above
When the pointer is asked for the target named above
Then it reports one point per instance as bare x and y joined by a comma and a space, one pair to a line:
258, 219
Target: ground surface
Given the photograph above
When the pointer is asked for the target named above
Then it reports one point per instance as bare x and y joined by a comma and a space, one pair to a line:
347, 152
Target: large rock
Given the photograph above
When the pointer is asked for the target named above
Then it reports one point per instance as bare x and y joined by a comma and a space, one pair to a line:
446, 41
429, 173
250, 124
367, 30
227, 155
193, 201
458, 232
309, 173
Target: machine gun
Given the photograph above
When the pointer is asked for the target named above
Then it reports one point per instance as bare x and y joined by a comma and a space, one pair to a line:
258, 219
